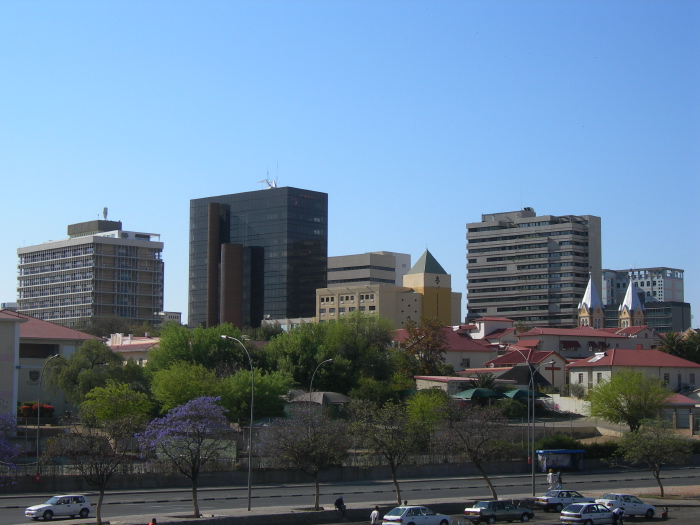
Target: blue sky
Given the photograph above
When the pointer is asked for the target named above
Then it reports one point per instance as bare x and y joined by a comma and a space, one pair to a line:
414, 116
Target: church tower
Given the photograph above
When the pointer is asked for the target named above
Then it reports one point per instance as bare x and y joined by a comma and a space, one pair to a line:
631, 311
590, 309
428, 278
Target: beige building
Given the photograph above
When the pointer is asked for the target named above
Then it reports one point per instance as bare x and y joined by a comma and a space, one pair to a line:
426, 292
368, 268
532, 269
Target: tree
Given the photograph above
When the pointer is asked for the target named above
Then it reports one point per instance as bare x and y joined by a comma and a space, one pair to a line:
386, 430
8, 450
90, 366
98, 441
191, 436
680, 345
479, 433
269, 389
427, 410
104, 326
655, 444
308, 441
630, 396
183, 382
425, 347
199, 346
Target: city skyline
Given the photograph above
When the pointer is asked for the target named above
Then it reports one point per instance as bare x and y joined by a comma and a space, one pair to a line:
429, 116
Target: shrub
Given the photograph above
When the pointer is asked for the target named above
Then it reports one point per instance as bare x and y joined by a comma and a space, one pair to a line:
512, 408
600, 450
556, 441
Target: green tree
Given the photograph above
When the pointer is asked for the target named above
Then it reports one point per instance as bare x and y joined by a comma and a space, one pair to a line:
681, 345
201, 346
387, 431
656, 445
425, 347
375, 391
104, 326
115, 402
183, 382
268, 401
630, 396
427, 410
90, 366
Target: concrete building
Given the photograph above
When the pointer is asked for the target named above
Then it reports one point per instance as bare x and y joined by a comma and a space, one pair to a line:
655, 284
368, 268
426, 292
101, 270
532, 269
659, 291
256, 255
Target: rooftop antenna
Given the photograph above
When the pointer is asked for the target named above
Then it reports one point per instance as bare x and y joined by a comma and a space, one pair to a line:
104, 213
270, 184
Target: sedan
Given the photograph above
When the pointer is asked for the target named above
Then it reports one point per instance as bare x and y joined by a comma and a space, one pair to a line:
587, 514
414, 515
558, 499
632, 505
64, 505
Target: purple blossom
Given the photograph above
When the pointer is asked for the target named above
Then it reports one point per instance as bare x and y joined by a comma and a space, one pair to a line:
8, 450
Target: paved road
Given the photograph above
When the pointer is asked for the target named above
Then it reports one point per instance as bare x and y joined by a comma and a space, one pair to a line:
220, 501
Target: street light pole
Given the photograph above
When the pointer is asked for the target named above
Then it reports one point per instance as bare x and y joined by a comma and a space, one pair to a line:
532, 395
38, 411
311, 385
250, 427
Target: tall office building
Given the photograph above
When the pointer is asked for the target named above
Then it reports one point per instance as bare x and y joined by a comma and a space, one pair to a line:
99, 271
531, 269
255, 255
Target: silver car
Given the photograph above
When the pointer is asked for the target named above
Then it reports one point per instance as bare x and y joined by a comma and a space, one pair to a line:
414, 515
587, 514
64, 505
632, 505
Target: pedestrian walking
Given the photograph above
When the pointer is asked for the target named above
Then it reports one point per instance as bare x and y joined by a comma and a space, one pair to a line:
559, 483
153, 522
374, 517
551, 480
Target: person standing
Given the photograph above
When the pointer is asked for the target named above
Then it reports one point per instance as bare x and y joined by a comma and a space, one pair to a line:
374, 517
550, 479
618, 516
559, 483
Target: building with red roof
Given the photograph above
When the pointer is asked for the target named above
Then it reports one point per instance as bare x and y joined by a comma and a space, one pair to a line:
679, 374
462, 350
26, 345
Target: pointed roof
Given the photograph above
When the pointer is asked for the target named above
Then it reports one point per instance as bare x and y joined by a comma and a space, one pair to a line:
631, 301
427, 264
591, 299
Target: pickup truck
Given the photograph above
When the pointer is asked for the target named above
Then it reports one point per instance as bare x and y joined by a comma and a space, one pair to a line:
494, 510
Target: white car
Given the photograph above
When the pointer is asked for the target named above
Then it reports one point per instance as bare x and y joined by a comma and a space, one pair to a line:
414, 515
586, 514
558, 499
64, 505
632, 505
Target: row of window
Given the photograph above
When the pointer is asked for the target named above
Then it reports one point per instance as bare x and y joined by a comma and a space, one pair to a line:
536, 256
350, 298
342, 310
510, 238
549, 286
529, 277
62, 253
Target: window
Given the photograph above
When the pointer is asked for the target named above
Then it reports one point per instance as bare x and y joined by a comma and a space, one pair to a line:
667, 378
465, 362
691, 379
372, 308
331, 311
598, 377
580, 379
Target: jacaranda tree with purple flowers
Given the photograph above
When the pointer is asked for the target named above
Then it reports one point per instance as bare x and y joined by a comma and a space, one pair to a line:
8, 450
190, 436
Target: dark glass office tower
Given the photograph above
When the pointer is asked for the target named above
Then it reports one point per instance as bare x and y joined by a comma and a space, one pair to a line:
257, 254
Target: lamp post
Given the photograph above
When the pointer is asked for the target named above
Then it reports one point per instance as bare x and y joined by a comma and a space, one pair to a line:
250, 428
311, 385
531, 410
38, 411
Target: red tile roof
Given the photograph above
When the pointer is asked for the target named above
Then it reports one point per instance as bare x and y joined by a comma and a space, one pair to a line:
35, 328
679, 399
529, 343
457, 341
585, 331
634, 358
133, 346
489, 370
500, 332
513, 358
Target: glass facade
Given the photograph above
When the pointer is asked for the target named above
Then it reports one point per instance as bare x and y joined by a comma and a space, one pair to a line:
284, 235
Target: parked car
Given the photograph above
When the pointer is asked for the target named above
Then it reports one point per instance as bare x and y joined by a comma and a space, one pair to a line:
587, 514
414, 515
632, 505
495, 510
64, 505
558, 499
